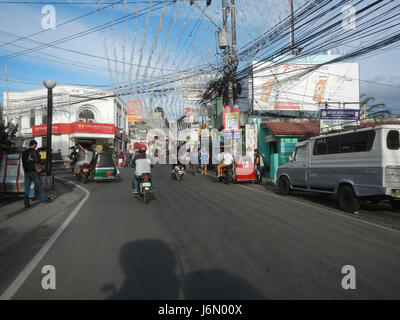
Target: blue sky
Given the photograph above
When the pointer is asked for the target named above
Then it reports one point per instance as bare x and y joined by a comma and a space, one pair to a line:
186, 39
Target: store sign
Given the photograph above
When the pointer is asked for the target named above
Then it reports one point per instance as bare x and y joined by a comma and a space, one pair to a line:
231, 119
336, 119
68, 128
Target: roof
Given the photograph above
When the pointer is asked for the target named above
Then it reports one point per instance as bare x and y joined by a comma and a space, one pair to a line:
286, 128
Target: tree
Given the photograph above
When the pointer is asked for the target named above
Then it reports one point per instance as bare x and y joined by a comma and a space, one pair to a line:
7, 132
377, 110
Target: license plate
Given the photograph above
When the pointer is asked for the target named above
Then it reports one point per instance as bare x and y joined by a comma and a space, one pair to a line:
85, 170
146, 184
180, 172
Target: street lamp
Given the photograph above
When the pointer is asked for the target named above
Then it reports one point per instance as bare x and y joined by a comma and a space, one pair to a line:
49, 84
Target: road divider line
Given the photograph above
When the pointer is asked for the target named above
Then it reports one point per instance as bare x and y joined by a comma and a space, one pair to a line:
21, 278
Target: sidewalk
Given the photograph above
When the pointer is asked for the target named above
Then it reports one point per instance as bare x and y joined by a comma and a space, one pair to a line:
23, 231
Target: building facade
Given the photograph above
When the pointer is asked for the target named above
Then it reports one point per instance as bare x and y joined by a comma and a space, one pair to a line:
79, 113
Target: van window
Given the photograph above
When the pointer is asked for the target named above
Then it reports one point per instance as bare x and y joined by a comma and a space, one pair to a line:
392, 140
345, 143
300, 154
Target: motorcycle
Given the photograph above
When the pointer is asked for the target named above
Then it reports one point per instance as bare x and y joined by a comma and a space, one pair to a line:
179, 172
228, 175
145, 191
84, 173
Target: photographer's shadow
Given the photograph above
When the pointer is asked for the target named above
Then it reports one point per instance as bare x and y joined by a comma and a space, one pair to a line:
150, 268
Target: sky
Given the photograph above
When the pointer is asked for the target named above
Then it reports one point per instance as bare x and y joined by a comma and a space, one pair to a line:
173, 37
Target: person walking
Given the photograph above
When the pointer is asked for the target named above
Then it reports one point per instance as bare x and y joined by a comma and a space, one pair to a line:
30, 159
195, 158
120, 158
205, 157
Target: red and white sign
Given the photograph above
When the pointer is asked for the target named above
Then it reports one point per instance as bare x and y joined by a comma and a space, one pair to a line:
68, 128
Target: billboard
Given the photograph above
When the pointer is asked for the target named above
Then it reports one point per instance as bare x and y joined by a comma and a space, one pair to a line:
297, 86
336, 119
134, 111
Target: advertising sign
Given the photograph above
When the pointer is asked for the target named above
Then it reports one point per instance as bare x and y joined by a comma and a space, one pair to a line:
134, 111
299, 86
251, 137
336, 119
231, 119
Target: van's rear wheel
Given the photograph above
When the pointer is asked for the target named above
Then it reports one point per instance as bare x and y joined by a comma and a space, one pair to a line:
347, 199
284, 186
395, 204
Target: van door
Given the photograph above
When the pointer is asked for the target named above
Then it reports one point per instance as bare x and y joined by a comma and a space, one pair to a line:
299, 167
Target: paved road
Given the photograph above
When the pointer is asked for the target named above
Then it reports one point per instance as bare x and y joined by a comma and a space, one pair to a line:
199, 239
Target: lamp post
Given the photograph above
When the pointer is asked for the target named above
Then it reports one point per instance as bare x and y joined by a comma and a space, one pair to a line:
49, 84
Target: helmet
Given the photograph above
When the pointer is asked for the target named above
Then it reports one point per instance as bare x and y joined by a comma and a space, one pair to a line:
142, 147
136, 145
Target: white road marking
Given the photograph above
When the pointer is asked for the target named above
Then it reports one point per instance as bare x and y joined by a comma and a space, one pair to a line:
323, 210
18, 282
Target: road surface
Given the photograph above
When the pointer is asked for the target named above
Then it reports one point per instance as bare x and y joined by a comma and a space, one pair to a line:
198, 239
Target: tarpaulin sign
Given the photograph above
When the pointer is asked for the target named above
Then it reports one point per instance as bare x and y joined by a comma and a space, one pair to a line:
231, 119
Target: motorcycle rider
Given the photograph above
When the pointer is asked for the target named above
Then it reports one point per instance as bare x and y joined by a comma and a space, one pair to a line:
142, 165
227, 161
85, 156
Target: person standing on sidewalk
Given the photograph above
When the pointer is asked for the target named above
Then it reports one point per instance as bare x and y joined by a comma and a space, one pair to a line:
205, 157
29, 157
120, 158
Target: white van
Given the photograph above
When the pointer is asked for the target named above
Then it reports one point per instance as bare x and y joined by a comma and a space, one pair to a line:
361, 164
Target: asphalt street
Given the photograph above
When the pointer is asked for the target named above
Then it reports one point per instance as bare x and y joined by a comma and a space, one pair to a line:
199, 239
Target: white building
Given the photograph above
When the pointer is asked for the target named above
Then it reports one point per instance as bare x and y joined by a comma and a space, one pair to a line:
79, 113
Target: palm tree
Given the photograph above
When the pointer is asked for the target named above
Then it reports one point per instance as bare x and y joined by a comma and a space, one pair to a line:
378, 110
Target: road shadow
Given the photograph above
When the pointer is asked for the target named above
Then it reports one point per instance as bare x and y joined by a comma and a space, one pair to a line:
152, 272
149, 269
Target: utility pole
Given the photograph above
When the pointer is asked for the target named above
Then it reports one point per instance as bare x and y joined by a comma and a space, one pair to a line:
8, 103
291, 27
228, 97
234, 52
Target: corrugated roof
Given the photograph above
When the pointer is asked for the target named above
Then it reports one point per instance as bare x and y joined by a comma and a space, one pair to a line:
306, 128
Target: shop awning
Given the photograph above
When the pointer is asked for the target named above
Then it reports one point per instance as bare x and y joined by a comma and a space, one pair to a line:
286, 128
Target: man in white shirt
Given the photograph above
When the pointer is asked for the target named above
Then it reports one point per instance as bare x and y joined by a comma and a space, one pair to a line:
227, 161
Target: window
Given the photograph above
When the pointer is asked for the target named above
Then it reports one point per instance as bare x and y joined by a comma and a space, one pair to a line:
345, 143
86, 115
392, 140
300, 154
32, 118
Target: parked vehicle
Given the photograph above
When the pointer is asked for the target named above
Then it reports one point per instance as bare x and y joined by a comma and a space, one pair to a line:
104, 168
57, 160
362, 164
145, 191
179, 172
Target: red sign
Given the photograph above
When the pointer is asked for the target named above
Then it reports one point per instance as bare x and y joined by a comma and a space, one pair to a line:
231, 117
67, 128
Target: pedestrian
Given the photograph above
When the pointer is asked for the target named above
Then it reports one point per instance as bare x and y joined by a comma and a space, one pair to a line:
31, 163
120, 158
195, 158
205, 157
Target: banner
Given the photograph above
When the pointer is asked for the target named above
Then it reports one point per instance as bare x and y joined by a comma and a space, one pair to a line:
251, 137
134, 111
336, 119
231, 119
